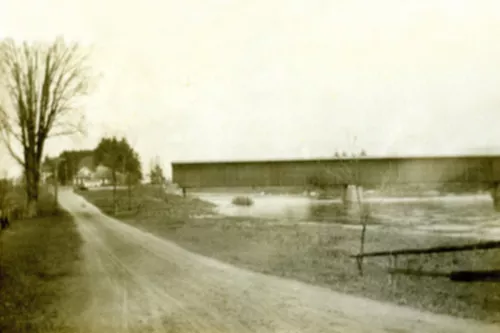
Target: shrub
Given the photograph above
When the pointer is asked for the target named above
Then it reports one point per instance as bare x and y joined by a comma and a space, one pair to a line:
16, 203
242, 201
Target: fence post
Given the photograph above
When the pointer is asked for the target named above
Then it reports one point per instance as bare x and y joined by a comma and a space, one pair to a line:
359, 261
395, 266
391, 273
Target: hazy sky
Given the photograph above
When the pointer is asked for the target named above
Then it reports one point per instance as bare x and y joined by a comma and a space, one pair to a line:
215, 79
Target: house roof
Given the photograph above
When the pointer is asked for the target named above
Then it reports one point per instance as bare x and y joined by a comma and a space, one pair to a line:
84, 172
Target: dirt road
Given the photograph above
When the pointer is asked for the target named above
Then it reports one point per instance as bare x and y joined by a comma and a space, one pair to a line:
142, 283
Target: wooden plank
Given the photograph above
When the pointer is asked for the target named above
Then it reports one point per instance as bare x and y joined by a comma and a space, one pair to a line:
415, 272
437, 249
456, 276
472, 276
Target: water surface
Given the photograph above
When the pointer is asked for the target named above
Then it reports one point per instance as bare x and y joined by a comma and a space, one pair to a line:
454, 215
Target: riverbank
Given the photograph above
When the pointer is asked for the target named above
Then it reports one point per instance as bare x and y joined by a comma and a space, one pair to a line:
316, 253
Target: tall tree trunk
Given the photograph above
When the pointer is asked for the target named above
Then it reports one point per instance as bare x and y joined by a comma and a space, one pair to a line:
32, 177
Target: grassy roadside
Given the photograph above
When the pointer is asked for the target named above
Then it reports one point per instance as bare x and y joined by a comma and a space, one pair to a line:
38, 269
318, 254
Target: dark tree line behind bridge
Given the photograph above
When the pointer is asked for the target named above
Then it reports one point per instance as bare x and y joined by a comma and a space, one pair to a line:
115, 154
68, 165
120, 158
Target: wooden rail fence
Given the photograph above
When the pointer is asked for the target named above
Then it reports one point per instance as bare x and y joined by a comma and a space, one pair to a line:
457, 276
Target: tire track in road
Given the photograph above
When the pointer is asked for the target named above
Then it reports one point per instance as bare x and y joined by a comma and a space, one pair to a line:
140, 282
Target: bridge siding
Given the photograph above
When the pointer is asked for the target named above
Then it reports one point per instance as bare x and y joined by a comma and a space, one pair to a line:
370, 171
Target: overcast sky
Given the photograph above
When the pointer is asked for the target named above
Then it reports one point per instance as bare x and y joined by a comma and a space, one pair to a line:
215, 79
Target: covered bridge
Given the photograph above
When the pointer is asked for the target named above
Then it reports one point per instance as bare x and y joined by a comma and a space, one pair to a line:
362, 171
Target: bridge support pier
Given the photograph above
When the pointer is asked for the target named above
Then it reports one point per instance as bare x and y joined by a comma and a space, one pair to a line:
495, 195
350, 195
184, 192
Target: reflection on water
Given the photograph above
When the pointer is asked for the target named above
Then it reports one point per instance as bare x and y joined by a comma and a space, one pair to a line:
438, 214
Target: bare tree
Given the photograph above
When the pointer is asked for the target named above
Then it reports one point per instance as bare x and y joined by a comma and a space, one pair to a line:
41, 84
156, 175
349, 174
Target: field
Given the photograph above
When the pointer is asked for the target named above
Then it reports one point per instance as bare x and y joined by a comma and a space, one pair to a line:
314, 253
38, 269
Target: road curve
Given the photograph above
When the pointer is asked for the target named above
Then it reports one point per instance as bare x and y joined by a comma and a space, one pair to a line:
142, 283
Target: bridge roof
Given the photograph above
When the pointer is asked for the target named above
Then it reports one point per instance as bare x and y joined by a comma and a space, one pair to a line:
320, 159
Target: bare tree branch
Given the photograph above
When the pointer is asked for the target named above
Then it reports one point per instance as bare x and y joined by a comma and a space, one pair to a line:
41, 83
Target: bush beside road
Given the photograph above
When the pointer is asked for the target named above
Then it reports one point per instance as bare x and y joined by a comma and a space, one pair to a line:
317, 253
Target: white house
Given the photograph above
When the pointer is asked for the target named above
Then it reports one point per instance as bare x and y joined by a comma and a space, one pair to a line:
101, 176
84, 177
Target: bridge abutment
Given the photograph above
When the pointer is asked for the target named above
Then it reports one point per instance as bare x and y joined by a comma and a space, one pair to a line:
350, 195
495, 195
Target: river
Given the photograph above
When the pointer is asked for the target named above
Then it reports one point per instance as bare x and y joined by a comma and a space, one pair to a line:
465, 215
